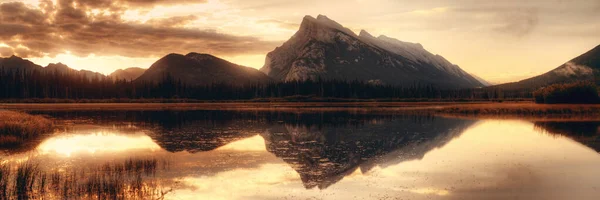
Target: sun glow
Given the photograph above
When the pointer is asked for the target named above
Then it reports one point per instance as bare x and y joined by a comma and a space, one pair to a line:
100, 142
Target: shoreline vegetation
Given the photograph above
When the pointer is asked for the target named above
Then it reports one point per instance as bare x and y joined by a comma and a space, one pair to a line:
17, 128
134, 178
295, 99
583, 92
522, 109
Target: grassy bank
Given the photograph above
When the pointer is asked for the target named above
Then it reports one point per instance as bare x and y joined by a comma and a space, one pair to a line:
130, 179
17, 128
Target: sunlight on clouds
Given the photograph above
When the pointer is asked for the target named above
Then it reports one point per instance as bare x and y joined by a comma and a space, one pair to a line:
208, 8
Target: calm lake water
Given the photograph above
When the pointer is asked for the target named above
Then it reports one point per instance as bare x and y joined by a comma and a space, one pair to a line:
311, 155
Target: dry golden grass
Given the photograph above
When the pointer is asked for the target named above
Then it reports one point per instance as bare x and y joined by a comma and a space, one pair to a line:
17, 127
134, 178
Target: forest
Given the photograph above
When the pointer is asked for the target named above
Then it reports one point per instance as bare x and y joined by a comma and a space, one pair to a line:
55, 85
578, 92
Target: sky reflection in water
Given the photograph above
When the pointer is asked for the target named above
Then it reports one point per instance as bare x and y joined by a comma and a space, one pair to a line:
377, 157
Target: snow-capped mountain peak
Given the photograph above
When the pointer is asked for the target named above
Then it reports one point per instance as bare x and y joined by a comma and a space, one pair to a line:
323, 48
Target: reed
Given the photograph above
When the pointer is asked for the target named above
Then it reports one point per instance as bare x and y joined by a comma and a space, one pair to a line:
17, 127
128, 179
4, 182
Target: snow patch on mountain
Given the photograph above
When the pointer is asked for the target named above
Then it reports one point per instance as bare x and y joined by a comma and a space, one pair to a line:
412, 51
570, 69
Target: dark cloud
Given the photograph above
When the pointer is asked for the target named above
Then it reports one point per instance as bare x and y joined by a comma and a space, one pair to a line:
70, 26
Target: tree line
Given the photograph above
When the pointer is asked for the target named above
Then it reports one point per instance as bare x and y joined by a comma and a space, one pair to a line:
577, 92
21, 84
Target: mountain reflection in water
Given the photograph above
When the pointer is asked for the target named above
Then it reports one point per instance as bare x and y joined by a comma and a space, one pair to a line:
324, 155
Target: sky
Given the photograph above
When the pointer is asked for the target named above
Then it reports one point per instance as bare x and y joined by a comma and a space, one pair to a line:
499, 41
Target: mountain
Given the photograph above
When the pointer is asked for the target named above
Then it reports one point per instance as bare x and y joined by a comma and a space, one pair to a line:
482, 81
15, 63
322, 48
131, 73
583, 67
64, 69
201, 69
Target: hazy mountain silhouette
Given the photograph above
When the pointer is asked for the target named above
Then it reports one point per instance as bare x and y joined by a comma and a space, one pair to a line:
15, 63
583, 67
201, 69
131, 73
324, 49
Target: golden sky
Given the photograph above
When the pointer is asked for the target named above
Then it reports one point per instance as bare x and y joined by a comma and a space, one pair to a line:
499, 41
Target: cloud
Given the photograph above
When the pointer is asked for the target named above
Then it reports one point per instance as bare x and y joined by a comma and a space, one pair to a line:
281, 24
519, 22
5, 51
84, 27
176, 21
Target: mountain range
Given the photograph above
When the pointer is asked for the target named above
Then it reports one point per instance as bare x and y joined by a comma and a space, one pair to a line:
324, 49
15, 63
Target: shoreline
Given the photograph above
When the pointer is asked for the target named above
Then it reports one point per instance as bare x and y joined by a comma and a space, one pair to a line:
481, 110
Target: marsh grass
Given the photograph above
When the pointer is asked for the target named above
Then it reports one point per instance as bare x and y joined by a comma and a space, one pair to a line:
130, 179
17, 128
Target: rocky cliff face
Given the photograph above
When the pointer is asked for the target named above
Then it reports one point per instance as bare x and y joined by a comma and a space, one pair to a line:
322, 48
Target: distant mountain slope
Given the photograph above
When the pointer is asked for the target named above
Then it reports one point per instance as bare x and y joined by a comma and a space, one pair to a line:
15, 63
201, 69
482, 81
131, 73
322, 48
583, 67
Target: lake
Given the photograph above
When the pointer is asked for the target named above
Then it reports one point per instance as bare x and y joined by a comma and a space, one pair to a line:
305, 154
